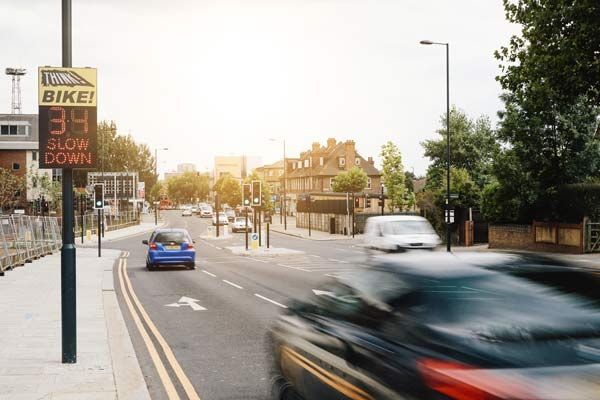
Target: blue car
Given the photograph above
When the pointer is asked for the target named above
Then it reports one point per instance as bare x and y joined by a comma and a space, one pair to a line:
170, 247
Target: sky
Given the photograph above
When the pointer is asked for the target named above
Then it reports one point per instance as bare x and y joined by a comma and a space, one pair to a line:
221, 77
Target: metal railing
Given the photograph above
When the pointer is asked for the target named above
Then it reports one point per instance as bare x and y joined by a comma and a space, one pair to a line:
25, 238
592, 237
89, 222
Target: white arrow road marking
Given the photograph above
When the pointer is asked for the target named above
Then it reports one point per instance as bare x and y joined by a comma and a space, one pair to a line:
187, 301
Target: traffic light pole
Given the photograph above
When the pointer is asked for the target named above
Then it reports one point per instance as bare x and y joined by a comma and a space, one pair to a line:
82, 209
217, 211
99, 236
246, 227
309, 224
67, 252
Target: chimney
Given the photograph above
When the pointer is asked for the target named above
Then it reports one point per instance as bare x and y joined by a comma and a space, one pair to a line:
316, 147
370, 160
349, 153
330, 143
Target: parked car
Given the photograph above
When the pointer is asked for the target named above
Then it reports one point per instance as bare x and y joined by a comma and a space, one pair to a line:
222, 219
195, 210
400, 232
186, 212
433, 326
239, 225
206, 212
170, 247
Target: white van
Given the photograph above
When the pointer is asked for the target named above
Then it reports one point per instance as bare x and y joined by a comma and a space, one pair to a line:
400, 232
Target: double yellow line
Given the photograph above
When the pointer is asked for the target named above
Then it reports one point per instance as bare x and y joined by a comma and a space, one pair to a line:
341, 385
141, 314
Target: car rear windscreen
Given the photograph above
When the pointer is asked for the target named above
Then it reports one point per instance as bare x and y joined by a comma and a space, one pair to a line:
171, 237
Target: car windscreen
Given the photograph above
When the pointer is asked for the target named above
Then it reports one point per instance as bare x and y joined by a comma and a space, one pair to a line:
407, 228
171, 237
507, 308
240, 220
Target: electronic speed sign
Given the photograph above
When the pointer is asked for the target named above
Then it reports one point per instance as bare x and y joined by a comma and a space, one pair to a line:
67, 117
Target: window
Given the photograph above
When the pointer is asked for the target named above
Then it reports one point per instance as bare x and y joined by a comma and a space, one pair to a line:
331, 183
357, 161
34, 155
300, 164
306, 163
3, 129
270, 172
342, 161
321, 161
368, 183
16, 166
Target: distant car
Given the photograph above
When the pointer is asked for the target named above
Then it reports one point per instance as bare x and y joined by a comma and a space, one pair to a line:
433, 326
400, 232
230, 213
186, 212
206, 212
222, 219
239, 225
195, 210
170, 247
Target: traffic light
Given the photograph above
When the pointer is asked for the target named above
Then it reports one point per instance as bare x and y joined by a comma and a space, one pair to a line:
89, 203
45, 206
246, 195
256, 193
356, 202
368, 201
98, 196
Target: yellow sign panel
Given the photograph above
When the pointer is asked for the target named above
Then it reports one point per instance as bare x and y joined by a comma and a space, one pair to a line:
67, 86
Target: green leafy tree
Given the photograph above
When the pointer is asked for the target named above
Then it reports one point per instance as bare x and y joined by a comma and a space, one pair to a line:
188, 187
353, 181
11, 189
156, 192
549, 125
229, 190
394, 178
473, 146
267, 202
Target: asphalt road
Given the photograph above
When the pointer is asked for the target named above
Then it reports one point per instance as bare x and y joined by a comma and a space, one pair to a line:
220, 349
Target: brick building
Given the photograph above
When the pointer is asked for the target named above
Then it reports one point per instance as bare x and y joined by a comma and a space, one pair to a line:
19, 143
315, 169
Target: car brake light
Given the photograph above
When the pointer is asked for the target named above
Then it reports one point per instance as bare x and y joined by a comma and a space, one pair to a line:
152, 246
190, 246
463, 382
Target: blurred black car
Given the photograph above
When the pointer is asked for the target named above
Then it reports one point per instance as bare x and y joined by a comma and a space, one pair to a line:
438, 327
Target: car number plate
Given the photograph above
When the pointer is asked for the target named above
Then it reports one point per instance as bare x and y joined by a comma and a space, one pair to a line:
171, 247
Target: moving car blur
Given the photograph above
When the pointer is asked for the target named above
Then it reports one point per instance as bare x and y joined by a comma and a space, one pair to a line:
400, 232
439, 326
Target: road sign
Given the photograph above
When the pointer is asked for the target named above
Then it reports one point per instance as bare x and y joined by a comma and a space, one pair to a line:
67, 117
454, 195
254, 241
451, 215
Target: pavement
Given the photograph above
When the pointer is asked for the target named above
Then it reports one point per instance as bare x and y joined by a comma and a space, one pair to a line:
292, 230
30, 351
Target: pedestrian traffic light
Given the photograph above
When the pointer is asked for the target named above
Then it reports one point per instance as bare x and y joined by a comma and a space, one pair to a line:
246, 194
98, 196
256, 193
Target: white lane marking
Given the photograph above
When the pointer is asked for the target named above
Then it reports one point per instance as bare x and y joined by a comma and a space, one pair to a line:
257, 260
270, 301
232, 284
314, 255
208, 273
339, 261
218, 248
187, 301
296, 268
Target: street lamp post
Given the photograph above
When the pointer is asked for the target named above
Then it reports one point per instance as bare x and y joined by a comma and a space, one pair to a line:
447, 211
156, 173
284, 199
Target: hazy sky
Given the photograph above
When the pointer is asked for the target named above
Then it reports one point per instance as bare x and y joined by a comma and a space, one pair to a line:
207, 78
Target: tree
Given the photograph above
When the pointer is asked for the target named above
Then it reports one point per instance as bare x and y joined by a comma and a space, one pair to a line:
473, 146
394, 178
266, 200
11, 188
156, 192
188, 187
353, 181
549, 125
229, 190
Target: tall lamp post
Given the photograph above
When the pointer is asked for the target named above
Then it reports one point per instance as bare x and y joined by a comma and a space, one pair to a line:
447, 211
284, 198
156, 173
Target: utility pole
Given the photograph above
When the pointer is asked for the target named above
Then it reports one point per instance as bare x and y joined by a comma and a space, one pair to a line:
67, 253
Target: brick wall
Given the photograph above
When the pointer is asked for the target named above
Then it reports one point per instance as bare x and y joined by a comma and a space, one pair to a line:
550, 237
510, 237
9, 157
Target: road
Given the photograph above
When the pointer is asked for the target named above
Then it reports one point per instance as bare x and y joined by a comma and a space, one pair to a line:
214, 348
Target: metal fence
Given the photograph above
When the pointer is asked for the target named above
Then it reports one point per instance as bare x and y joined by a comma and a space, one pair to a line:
89, 222
25, 238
